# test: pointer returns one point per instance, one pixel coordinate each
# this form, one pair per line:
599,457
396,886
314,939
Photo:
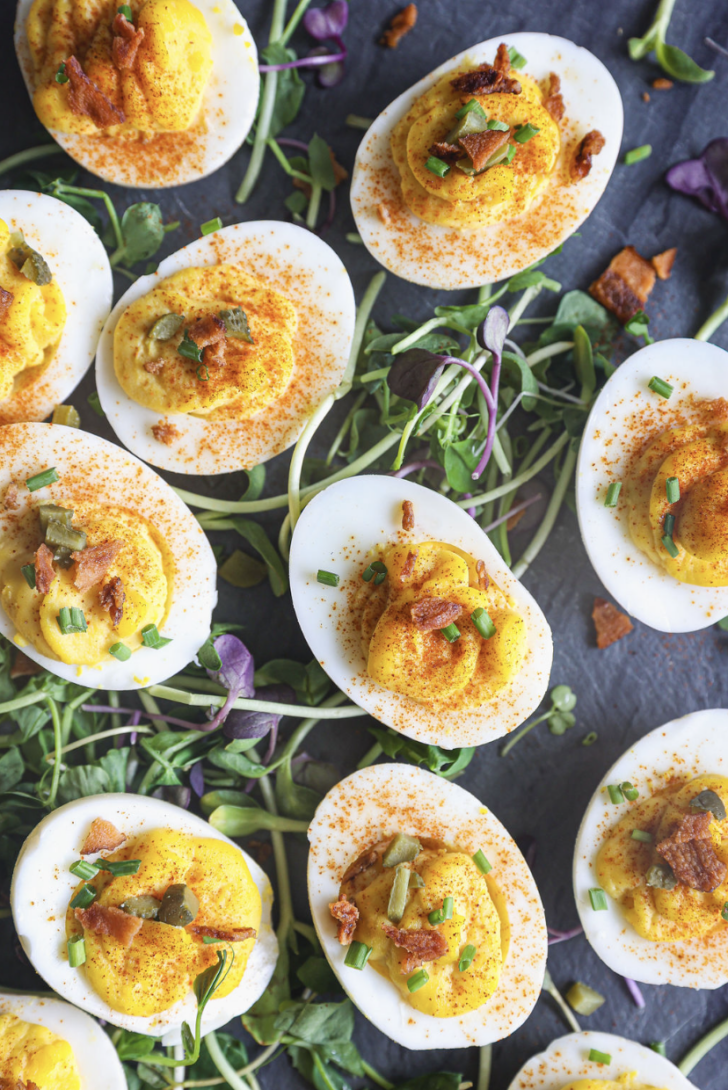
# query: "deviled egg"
151,93
489,163
411,611
651,857
425,908
55,295
598,1061
216,361
121,901
53,1045
102,567
650,485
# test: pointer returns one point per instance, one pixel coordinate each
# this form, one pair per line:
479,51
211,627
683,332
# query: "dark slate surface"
637,684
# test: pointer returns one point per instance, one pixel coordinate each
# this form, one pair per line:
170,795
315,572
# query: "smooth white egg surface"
92,1048
92,469
626,416
567,1058
166,159
443,257
42,887
678,751
295,263
377,802
80,267
338,532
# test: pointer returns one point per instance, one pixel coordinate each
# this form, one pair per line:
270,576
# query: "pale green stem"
314,203
553,991
373,1074
548,351
484,1067
58,742
285,902
22,701
557,498
522,305
307,931
703,1047
284,535
267,105
344,429
114,701
299,711
711,324
226,1069
22,157
520,479
277,151
150,705
50,758
370,756
298,13
299,453
363,314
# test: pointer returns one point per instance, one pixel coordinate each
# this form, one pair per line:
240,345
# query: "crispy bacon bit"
689,851
44,573
228,934
408,515
93,563
364,862
431,613
663,263
645,96
554,101
662,84
17,1084
6,301
86,100
383,212
209,333
591,145
112,597
421,945
625,286
483,579
165,432
107,920
611,624
480,146
399,25
126,42
347,915
153,367
409,566
489,79
102,837
23,666
11,500
449,153
340,175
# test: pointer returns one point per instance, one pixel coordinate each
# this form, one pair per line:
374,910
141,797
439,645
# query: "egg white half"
288,259
42,886
442,257
567,1058
229,105
337,532
624,418
92,1048
122,480
684,748
81,270
384,799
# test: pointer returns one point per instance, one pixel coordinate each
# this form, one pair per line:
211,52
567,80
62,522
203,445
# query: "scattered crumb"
399,25
12,496
153,367
384,213
663,263
408,515
165,432
610,623
662,84
645,96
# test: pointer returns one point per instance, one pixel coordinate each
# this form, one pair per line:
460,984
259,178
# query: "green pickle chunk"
179,906
402,849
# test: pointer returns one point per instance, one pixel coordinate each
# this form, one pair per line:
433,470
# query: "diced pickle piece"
398,894
401,849
62,557
584,999
58,533
144,907
48,511
179,906
416,881
468,125
67,416
165,327
661,876
711,803
31,264
236,324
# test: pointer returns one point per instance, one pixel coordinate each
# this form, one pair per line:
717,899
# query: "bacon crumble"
153,367
449,153
409,566
126,42
610,623
165,432
6,301
663,263
87,100
346,914
489,79
689,851
364,862
592,144
44,572
107,920
112,597
399,25
481,146
554,101
625,285
228,934
662,84
209,333
431,613
482,574
11,499
93,563
102,837
408,515
421,945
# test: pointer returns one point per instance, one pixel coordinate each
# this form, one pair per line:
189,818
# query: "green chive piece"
472,106
481,862
467,957
724,912
643,837
451,633
124,866
659,1048
398,894
71,621
61,76
630,792
357,955
613,494
85,897
498,126
590,738
597,1057
437,166
354,238
41,480
76,948
668,525
203,375
509,156
615,793
598,899
151,637
208,939
120,651
417,981
483,623
636,155
670,545
328,578
517,59
94,401
189,348
672,488
78,619
28,571
442,914
525,132
659,386
125,10
83,869
376,571
211,226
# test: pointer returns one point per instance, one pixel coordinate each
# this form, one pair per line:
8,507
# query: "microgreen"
636,155
671,59
638,326
559,716
705,178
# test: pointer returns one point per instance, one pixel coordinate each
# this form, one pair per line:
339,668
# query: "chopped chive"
125,10
472,106
597,1057
76,948
328,578
613,494
590,738
357,955
211,226
71,621
451,633
442,914
517,59
203,375
124,866
83,869
208,939
354,238
85,897
41,480
483,623
437,166
467,957
151,637
189,348
120,651
498,126
481,862
630,792
525,132
670,545
509,156
659,386
78,619
28,571
417,980
659,1048
377,571
672,488
668,525
724,912
615,793
94,401
643,837
61,76
636,155
598,899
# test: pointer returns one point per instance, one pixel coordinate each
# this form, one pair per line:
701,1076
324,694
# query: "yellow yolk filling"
31,326
144,565
160,966
622,1082
253,375
663,915
162,92
36,1054
497,194
424,665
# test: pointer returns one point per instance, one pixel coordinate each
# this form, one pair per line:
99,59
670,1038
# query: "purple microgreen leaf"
493,331
705,178
197,779
328,75
328,22
235,675
415,374
251,724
